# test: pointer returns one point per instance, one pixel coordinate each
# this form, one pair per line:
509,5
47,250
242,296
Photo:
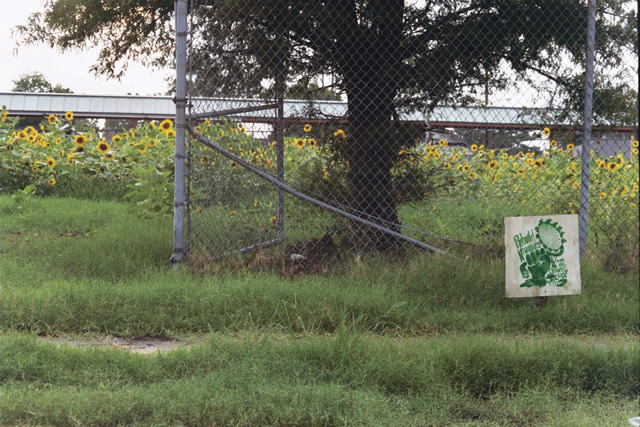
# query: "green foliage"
38,83
19,198
152,191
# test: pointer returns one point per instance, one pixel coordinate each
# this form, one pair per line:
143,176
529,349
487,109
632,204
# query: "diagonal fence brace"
284,187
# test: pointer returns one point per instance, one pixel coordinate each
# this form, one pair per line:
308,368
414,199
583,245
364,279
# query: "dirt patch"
145,345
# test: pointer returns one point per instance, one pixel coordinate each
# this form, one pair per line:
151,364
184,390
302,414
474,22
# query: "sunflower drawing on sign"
540,251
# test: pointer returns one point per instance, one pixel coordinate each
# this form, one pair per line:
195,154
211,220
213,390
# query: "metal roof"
88,106
161,107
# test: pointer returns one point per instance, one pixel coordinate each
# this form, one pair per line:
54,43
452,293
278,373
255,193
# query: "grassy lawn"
429,340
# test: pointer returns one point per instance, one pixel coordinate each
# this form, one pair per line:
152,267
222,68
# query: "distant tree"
36,82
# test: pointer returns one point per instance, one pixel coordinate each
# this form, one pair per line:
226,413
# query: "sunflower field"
457,192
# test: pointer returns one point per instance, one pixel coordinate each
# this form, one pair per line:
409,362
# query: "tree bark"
371,88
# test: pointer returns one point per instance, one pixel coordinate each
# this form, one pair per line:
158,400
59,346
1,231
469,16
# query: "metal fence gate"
324,128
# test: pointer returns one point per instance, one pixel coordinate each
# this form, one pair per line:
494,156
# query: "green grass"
430,340
93,267
323,380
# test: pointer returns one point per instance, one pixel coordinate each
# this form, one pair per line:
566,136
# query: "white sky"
69,69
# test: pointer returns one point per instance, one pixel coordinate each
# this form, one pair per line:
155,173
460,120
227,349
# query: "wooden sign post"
542,256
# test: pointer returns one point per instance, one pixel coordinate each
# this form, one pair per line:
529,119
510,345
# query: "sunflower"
204,160
307,128
474,147
68,115
102,146
51,182
339,134
233,212
603,195
221,133
312,142
255,203
553,143
115,138
78,149
58,140
634,143
166,125
22,135
443,142
613,166
242,128
80,140
273,219
447,165
602,165
51,162
152,142
466,167
52,119
521,172
142,149
492,164
109,156
4,116
546,132
299,142
635,151
473,175
570,146
234,165
495,178
171,133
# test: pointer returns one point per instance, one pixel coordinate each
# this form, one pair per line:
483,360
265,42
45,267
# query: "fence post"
279,93
181,8
586,132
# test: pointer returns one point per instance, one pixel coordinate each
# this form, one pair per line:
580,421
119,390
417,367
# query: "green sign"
541,251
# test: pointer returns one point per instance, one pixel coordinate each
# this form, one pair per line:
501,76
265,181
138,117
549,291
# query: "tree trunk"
370,161
371,88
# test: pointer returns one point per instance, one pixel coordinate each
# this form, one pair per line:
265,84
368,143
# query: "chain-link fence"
322,129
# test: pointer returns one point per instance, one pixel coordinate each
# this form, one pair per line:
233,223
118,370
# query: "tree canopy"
38,83
444,51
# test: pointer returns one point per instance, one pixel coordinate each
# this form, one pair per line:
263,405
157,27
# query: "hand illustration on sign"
540,256
535,268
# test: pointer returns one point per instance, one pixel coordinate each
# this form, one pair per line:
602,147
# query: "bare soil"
144,345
